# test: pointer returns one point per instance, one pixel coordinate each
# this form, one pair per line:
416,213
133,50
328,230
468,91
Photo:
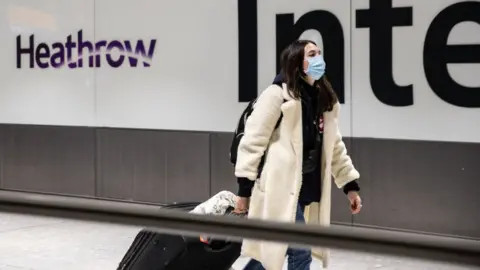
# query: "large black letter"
30,51
437,54
381,17
333,42
247,50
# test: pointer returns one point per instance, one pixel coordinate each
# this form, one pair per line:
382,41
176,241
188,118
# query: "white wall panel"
56,96
429,118
192,81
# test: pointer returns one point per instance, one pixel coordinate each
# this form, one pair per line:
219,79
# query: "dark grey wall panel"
413,185
188,166
49,159
131,165
153,166
222,172
2,151
421,186
364,164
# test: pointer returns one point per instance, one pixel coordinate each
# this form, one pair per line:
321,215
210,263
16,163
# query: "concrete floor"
37,243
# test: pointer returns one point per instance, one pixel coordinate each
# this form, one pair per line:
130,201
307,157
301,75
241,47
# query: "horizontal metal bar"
349,238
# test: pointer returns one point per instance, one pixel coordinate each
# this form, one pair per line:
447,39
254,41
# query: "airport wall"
137,100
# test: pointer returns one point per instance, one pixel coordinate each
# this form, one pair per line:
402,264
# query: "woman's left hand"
355,202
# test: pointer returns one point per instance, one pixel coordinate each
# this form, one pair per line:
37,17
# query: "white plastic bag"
216,205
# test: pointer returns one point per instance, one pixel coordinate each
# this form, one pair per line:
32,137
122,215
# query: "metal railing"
445,249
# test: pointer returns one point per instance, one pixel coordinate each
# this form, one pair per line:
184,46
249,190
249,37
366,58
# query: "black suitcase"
156,251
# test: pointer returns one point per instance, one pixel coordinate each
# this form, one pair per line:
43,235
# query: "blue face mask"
316,67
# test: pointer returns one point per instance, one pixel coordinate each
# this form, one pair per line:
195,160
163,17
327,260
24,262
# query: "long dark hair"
292,72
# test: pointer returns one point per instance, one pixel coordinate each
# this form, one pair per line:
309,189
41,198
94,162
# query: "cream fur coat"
275,194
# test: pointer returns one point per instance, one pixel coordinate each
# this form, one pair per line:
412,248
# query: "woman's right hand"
241,206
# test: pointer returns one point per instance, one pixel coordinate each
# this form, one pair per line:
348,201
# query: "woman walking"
293,184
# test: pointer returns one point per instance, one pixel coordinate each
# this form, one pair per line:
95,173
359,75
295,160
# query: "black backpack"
239,131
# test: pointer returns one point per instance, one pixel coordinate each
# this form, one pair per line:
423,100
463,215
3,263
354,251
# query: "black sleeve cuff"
351,186
245,186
